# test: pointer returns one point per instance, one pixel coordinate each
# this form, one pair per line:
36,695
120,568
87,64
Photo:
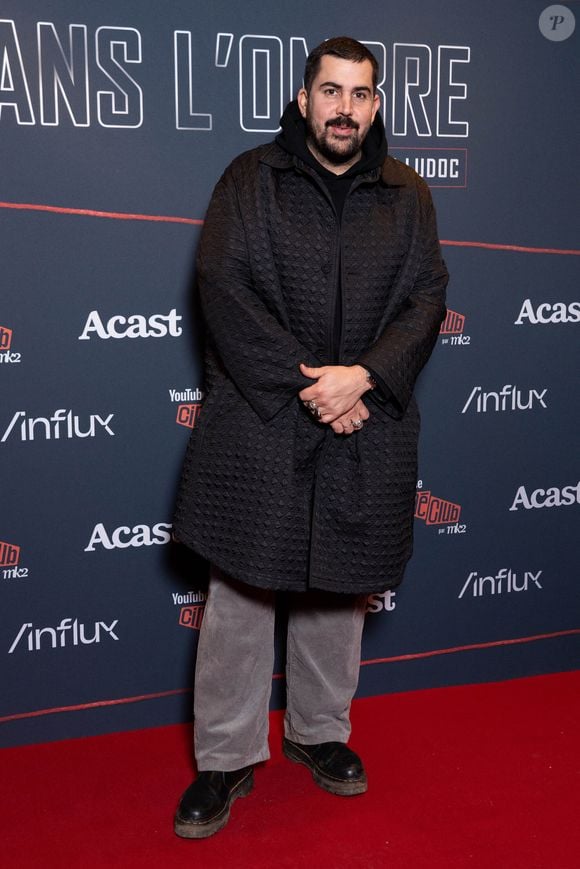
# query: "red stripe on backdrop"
513,247
409,657
88,212
196,221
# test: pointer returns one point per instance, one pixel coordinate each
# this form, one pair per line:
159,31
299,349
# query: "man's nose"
345,106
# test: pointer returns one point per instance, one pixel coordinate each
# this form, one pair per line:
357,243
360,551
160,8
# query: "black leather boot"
334,767
204,808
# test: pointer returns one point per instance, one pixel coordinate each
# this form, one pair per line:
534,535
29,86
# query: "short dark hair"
339,46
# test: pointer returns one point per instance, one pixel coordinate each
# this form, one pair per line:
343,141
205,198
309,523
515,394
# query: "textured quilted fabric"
268,494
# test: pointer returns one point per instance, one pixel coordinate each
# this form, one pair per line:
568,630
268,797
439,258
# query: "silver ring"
357,423
313,408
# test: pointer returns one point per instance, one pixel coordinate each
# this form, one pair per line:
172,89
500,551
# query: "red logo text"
5,338
187,414
453,324
191,616
9,554
435,511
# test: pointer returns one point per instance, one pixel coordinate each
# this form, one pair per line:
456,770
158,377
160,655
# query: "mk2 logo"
9,562
453,326
437,511
192,606
6,356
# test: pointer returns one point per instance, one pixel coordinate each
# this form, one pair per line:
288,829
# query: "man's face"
339,110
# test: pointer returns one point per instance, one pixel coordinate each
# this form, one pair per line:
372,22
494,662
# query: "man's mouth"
343,124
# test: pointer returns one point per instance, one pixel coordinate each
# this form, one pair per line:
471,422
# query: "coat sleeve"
260,356
403,348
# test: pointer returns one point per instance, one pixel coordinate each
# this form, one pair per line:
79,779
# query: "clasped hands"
335,398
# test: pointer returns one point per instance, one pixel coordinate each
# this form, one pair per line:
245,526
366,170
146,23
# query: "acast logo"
125,537
63,424
453,326
6,356
552,497
134,326
377,603
548,312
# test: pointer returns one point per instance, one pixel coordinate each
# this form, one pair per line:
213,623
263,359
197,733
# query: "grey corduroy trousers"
235,661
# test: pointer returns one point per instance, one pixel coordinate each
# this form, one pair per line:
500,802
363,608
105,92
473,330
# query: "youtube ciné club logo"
5,338
435,511
9,554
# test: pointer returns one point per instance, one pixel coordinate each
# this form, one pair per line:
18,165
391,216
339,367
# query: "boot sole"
201,830
334,786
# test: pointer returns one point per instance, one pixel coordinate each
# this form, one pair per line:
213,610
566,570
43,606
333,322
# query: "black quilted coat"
268,494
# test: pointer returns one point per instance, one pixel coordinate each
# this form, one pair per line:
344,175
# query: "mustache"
342,122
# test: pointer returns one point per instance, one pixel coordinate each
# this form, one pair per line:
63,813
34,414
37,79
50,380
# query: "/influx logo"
62,424
505,581
68,633
507,399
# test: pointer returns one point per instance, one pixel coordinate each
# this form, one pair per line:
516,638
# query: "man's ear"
302,99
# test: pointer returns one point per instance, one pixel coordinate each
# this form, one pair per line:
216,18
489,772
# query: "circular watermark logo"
557,23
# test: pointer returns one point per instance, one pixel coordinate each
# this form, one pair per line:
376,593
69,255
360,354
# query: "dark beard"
328,149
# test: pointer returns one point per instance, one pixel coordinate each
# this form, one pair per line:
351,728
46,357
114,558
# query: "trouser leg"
322,665
233,677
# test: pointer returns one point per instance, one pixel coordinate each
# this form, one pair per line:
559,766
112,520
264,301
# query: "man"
322,287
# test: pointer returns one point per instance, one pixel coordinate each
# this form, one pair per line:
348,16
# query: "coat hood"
293,140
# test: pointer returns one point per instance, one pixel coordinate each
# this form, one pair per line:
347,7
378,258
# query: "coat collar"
392,173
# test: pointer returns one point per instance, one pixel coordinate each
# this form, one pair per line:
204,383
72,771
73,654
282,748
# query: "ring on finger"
356,423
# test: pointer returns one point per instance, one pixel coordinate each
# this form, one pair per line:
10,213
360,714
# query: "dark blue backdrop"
116,120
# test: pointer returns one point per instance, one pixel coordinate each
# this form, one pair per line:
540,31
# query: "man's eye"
360,95
330,92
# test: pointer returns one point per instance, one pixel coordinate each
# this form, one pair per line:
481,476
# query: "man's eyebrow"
362,87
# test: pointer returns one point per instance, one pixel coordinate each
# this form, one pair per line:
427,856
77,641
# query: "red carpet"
484,776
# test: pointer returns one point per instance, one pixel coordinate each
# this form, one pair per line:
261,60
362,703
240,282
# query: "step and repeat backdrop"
116,120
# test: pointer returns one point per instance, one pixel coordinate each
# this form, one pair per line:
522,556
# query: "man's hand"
344,424
337,389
